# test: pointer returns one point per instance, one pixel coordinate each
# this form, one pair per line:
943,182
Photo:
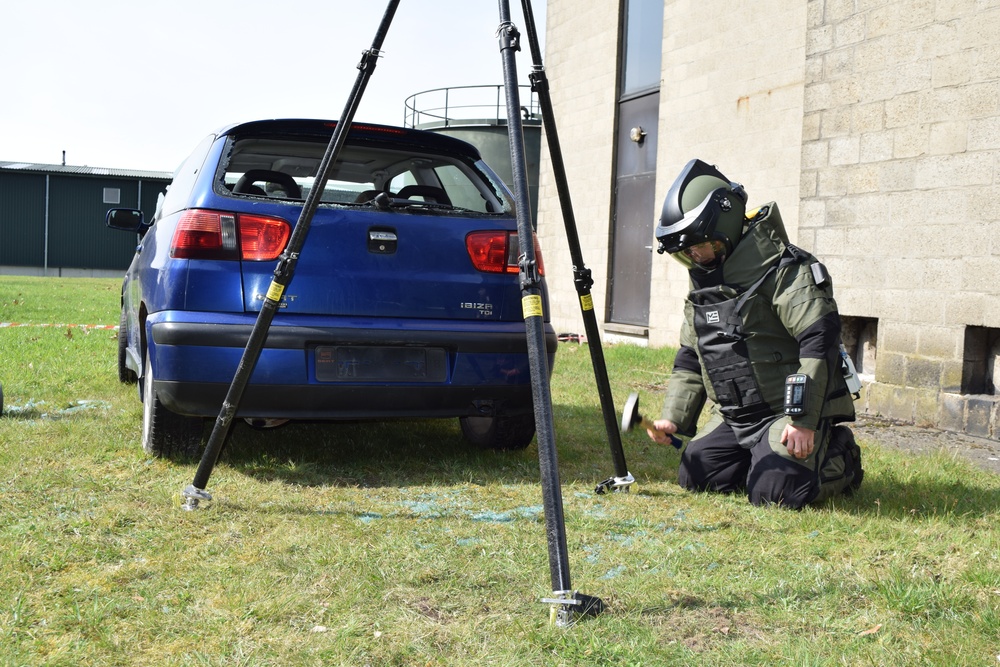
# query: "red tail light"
262,238
204,234
497,251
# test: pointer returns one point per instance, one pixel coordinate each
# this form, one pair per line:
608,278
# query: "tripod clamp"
583,279
369,58
530,277
539,82
509,37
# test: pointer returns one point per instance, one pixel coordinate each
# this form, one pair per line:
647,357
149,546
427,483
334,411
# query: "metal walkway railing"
443,107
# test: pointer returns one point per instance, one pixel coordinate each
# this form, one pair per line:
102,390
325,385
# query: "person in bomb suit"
761,341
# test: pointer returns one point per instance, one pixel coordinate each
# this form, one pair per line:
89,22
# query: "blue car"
405,300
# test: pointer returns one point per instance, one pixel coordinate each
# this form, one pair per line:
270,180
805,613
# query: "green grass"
395,544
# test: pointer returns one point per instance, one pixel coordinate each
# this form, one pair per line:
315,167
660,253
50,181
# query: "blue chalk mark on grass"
614,572
39,410
531,512
493,517
426,509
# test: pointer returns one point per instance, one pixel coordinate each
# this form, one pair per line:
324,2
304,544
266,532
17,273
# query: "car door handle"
382,241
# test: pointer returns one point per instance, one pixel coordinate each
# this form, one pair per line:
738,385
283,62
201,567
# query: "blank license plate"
354,363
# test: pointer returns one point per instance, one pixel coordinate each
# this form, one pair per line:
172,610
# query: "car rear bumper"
485,370
345,403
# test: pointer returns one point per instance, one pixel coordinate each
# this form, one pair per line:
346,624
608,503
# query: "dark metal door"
635,211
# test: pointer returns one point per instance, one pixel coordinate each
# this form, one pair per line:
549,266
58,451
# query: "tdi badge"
796,386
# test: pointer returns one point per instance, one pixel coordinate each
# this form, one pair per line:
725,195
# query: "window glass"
400,181
460,190
643,45
359,173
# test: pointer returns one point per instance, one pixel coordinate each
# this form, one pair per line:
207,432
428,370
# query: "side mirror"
126,219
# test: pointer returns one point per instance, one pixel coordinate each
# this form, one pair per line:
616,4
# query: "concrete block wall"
900,152
717,103
581,59
731,95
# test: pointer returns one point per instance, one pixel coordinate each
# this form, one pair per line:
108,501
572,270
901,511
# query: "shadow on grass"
428,452
373,453
887,494
401,453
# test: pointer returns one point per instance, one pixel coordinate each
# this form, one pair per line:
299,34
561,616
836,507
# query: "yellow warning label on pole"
531,305
587,302
275,291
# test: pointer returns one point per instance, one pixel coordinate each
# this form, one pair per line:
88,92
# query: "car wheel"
125,374
500,432
166,434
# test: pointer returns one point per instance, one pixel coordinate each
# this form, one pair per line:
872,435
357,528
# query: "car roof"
371,131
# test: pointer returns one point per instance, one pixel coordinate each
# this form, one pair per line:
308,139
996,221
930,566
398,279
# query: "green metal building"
52,217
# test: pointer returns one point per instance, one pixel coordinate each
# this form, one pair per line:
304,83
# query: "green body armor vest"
744,331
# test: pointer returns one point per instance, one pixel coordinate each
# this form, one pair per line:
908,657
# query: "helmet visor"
705,255
697,226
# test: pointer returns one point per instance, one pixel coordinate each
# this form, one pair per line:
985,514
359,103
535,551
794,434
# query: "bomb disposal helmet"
705,209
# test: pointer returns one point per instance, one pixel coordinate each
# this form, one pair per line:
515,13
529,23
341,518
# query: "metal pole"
564,600
582,279
283,273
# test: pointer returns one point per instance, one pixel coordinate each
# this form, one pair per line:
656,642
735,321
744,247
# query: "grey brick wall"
875,125
899,154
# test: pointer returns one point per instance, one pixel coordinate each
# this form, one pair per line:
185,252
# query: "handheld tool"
631,418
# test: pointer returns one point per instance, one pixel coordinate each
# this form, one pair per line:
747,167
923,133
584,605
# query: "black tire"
166,434
500,433
125,374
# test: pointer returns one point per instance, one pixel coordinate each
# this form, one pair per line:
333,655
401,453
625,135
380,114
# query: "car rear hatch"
361,263
411,225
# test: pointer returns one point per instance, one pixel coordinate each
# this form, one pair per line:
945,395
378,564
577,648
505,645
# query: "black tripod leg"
283,273
564,601
581,274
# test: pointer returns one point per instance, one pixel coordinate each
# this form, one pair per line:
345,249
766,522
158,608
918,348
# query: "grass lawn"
395,543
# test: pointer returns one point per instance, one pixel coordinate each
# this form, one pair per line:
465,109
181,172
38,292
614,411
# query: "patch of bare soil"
982,452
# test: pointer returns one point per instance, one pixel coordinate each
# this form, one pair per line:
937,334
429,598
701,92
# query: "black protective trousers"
716,461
